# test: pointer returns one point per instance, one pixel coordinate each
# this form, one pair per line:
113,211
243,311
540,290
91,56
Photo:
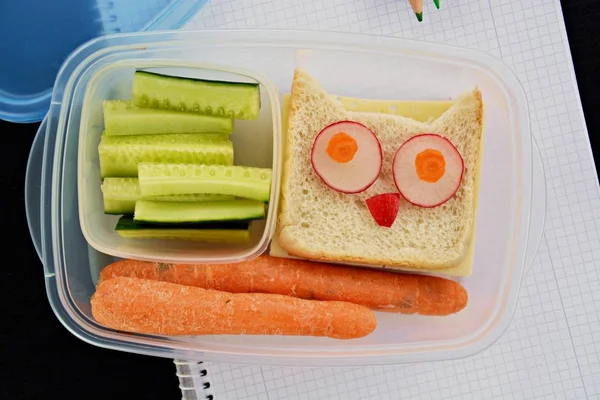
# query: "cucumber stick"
167,179
225,99
120,195
118,207
222,232
120,155
122,117
160,212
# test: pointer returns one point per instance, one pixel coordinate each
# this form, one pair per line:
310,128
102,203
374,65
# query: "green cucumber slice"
222,232
161,212
165,179
118,207
120,155
122,117
120,195
226,99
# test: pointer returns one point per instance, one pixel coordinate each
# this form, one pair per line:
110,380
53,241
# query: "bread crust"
286,159
294,249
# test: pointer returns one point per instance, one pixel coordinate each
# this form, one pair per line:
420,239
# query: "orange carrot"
163,308
378,290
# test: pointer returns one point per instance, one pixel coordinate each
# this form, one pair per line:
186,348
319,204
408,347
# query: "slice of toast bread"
319,223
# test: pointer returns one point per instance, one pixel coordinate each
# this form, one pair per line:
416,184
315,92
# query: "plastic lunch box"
508,228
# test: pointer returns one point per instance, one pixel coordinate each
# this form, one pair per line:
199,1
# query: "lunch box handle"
539,203
33,189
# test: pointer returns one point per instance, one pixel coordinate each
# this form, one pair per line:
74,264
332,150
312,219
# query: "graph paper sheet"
552,347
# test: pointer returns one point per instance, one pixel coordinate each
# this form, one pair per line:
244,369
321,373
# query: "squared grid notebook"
552,347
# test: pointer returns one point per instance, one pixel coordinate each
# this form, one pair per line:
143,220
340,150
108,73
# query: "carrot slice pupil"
430,165
342,147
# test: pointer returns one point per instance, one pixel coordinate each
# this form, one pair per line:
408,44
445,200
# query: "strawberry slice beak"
384,208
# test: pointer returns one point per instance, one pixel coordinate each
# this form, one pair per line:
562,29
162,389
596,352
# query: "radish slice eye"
428,170
347,157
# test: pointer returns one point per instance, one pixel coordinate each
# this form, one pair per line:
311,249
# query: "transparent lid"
37,36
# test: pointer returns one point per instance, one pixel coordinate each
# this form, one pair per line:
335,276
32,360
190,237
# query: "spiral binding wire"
188,372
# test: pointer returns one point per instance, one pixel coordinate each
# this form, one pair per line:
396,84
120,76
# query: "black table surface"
40,358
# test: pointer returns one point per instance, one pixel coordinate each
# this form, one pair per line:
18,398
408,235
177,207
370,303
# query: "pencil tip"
419,16
437,4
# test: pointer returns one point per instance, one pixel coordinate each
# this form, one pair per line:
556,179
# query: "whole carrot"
377,290
163,308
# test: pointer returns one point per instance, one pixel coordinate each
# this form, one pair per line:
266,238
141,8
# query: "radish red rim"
347,156
441,173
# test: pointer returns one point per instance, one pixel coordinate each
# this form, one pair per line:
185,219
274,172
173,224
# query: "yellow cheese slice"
421,111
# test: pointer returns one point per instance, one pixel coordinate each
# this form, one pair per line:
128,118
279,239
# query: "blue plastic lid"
37,36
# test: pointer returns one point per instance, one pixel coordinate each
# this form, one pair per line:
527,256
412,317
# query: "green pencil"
417,6
437,4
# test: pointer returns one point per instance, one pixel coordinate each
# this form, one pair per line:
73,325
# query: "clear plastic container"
351,65
256,143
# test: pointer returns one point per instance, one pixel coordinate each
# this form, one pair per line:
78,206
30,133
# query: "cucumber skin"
165,213
122,117
151,90
245,182
211,233
119,155
128,223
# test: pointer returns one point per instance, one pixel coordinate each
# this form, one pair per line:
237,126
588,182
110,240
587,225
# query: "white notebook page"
552,347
